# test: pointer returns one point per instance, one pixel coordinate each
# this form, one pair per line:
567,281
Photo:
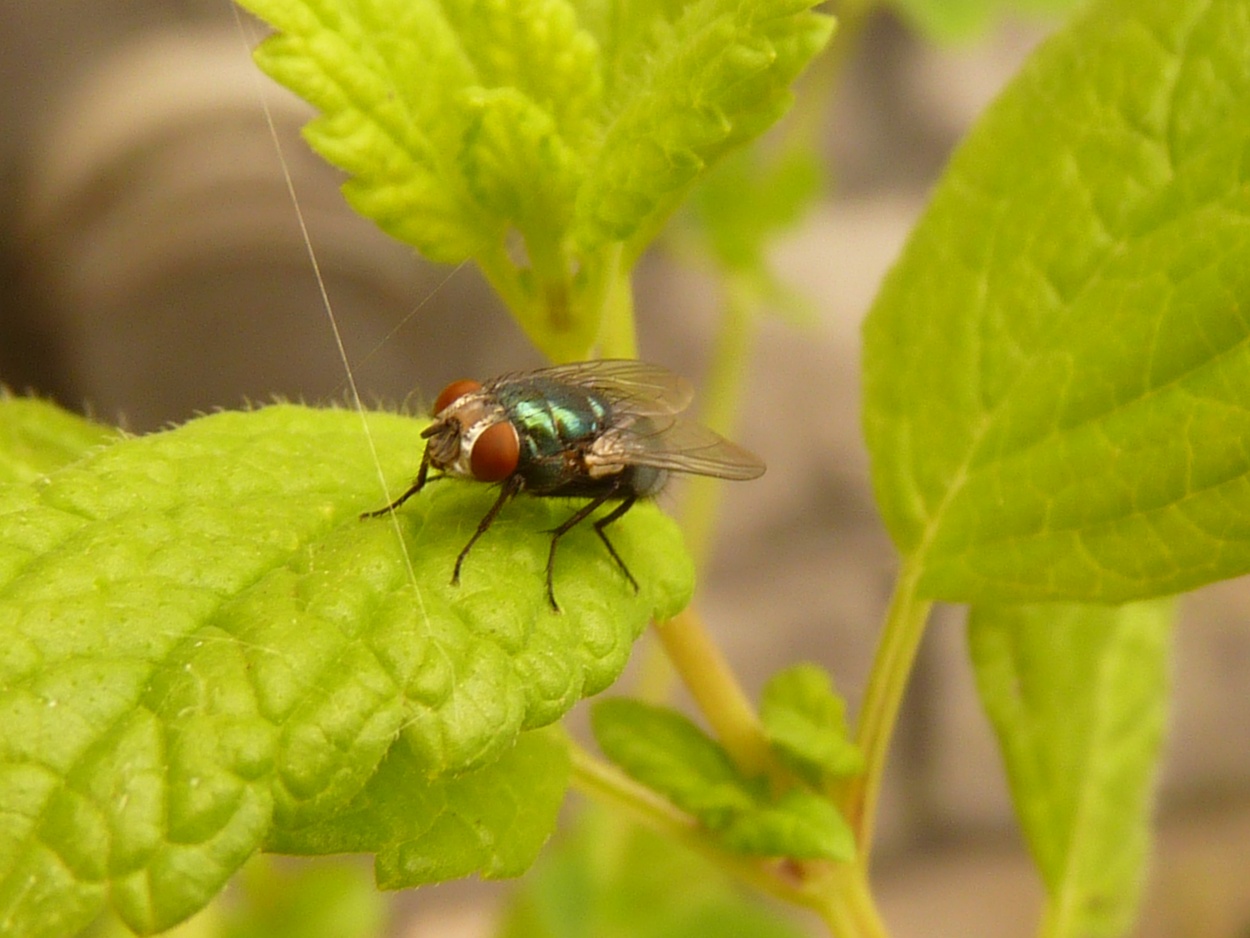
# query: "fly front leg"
510,487
417,485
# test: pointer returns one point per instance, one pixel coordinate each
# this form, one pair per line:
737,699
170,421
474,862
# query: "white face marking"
472,415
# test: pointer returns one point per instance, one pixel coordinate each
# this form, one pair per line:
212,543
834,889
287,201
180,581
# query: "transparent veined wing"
678,446
633,387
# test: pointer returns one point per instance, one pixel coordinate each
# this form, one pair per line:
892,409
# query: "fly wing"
632,386
678,446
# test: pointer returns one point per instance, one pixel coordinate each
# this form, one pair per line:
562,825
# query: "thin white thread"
249,41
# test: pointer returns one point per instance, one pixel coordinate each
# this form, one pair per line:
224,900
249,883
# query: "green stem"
617,337
716,691
891,670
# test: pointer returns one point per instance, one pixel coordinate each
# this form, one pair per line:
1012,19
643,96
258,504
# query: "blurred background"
154,267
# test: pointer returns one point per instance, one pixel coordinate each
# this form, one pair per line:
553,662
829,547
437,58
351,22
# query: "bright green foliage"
492,820
806,721
37,437
1057,371
664,750
1078,696
467,123
960,19
203,648
610,879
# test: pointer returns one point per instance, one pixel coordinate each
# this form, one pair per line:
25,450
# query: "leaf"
805,720
386,76
535,135
494,819
325,899
201,642
1078,697
606,879
37,437
665,751
717,76
1057,369
961,19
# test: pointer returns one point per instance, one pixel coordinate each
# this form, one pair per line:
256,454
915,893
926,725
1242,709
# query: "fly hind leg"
577,518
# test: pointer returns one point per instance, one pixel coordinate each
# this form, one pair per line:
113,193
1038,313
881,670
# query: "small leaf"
37,437
492,820
806,721
1057,371
664,750
201,641
798,824
1078,697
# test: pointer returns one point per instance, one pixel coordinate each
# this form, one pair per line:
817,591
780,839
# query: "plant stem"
617,336
891,670
715,688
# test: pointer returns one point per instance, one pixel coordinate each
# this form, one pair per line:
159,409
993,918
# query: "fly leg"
417,485
607,519
577,518
510,487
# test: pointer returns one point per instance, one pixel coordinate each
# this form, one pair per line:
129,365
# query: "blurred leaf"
1057,371
806,722
37,437
201,642
665,751
947,20
289,899
1078,697
607,880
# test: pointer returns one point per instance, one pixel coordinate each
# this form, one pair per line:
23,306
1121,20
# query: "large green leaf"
1078,697
201,643
37,437
1057,370
535,135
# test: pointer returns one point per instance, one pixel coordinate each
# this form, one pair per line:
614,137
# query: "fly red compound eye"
453,392
496,452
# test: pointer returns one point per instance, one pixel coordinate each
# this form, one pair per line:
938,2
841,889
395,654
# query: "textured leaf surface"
1057,370
806,721
37,437
201,642
492,820
1077,695
664,750
534,135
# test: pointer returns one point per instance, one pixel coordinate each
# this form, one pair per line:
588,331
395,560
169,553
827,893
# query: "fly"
605,431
